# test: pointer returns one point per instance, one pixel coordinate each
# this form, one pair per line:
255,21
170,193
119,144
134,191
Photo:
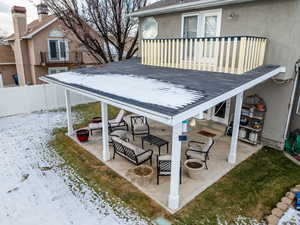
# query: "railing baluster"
221,68
242,54
233,59
228,48
169,53
173,54
185,52
194,54
165,53
181,41
216,54
177,54
248,54
200,53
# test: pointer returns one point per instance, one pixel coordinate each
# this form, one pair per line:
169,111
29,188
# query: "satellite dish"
149,28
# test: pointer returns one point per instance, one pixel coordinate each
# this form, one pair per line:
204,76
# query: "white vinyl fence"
27,99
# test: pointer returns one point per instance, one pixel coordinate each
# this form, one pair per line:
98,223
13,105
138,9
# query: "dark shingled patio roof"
211,84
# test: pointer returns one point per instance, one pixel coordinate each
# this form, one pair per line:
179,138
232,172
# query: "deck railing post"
235,130
175,167
105,141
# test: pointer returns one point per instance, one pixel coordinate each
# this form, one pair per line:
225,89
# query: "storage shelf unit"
252,120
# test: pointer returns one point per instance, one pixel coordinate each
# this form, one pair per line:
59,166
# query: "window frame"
57,68
200,20
59,50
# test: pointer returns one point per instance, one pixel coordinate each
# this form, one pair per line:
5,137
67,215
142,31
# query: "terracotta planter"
194,168
142,175
83,135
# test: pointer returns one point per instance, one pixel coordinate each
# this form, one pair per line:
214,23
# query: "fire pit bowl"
83,135
142,175
194,168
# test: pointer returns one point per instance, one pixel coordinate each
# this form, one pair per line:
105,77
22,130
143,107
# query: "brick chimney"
42,10
20,45
19,20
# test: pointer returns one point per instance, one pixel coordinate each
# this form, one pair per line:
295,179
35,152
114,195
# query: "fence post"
242,55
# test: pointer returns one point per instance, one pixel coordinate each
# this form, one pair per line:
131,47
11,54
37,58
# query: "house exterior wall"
7,72
274,19
7,65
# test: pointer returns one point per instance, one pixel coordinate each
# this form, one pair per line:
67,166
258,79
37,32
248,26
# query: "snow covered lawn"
37,188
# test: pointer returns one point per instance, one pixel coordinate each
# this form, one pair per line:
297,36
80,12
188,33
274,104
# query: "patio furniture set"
197,153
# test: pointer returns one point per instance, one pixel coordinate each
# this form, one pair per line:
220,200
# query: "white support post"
106,153
69,113
235,129
175,167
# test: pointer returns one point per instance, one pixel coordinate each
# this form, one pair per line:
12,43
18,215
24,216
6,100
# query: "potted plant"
83,135
194,167
142,174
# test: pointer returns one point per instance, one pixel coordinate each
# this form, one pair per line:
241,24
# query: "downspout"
297,65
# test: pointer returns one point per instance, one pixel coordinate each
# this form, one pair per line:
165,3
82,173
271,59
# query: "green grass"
251,189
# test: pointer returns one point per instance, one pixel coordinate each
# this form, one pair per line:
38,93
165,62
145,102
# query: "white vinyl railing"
218,54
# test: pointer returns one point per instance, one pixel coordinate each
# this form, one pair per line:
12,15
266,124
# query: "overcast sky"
6,25
5,13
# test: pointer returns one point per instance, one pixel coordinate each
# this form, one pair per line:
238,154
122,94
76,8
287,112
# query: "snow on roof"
133,87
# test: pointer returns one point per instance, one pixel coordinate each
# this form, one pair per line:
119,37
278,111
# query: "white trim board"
186,6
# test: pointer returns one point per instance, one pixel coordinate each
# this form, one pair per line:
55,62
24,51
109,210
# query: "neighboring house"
276,20
42,47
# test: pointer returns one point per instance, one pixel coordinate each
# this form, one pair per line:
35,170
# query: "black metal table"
153,140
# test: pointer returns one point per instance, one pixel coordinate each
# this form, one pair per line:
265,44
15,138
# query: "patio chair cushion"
195,155
202,147
122,134
119,117
164,157
95,125
140,128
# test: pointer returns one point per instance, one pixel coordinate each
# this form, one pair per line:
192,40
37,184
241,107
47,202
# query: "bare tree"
114,32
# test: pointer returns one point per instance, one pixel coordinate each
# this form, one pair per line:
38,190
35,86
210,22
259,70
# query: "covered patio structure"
165,95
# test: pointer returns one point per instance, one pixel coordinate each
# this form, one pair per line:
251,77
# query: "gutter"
186,6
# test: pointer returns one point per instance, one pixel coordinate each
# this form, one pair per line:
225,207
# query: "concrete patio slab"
189,189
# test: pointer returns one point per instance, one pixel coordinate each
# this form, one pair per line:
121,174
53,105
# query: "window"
58,50
56,33
210,26
52,70
190,24
149,28
201,24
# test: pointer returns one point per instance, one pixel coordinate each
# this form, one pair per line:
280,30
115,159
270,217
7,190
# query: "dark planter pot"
83,135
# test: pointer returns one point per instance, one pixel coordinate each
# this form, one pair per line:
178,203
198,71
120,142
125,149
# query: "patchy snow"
134,87
290,217
37,188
